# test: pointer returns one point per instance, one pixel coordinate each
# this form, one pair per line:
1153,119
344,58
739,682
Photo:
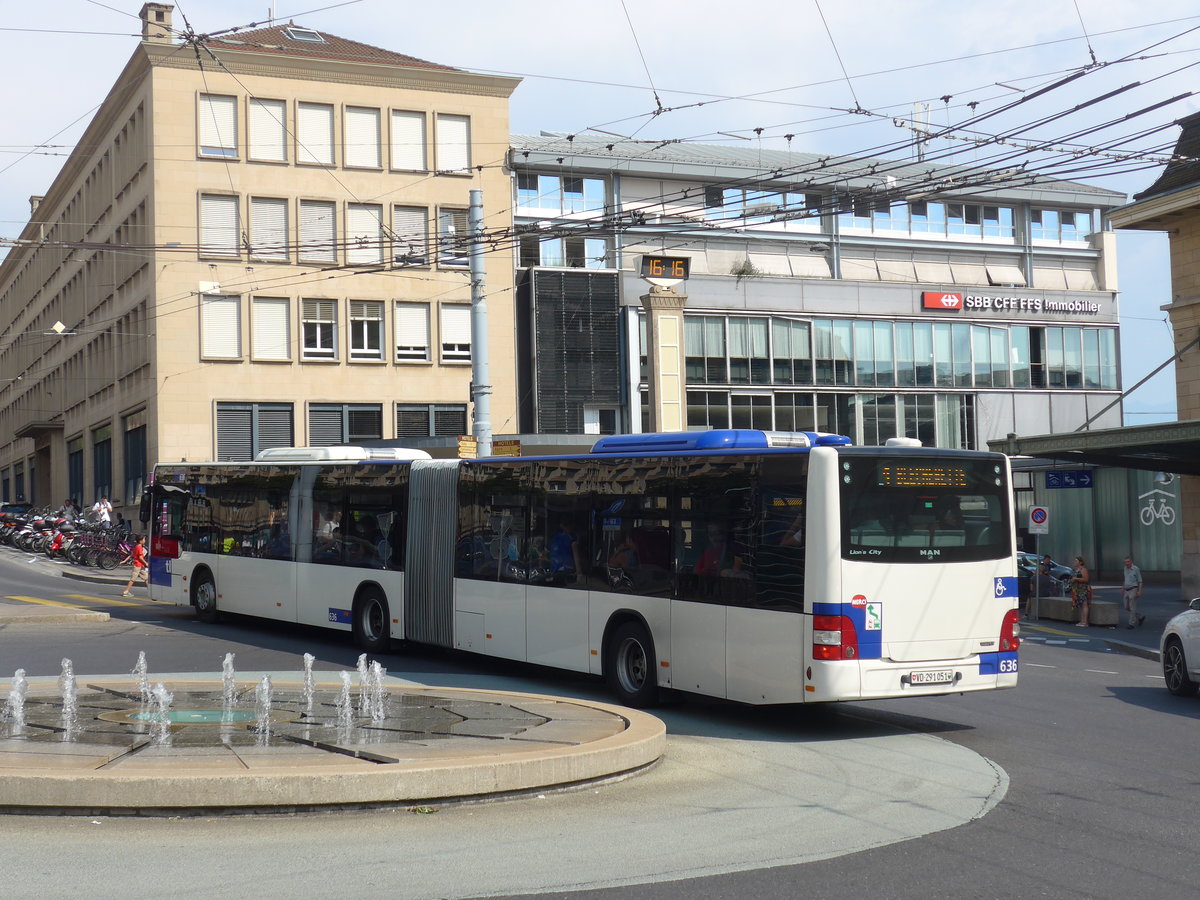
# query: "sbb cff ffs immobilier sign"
941,300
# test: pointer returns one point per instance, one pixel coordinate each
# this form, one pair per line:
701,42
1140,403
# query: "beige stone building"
258,241
1172,204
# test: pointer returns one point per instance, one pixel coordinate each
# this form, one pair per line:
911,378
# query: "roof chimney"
156,23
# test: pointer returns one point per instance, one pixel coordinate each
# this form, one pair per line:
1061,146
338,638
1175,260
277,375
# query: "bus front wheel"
631,667
204,598
372,622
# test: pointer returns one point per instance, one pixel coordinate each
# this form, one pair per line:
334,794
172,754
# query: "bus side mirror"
144,508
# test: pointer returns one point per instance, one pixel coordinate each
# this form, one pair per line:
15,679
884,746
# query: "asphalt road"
1094,796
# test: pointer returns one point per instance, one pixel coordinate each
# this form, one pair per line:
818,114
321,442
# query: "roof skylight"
304,34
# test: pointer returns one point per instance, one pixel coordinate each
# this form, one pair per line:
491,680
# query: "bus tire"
204,598
630,666
372,621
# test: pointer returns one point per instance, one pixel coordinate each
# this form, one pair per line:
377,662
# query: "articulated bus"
762,567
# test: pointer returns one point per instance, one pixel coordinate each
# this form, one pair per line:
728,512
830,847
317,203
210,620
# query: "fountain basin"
433,745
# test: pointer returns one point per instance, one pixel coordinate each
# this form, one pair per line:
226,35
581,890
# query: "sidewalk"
1159,603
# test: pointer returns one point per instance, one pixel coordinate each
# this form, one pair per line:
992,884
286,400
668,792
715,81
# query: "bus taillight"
834,637
1010,631
164,547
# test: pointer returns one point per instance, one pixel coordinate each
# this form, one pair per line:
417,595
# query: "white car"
1180,652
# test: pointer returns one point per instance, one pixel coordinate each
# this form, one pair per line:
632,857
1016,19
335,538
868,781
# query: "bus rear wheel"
630,666
204,598
372,622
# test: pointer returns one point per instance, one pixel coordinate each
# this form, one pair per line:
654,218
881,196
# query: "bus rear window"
923,508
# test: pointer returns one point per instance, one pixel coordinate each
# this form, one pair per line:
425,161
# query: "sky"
834,74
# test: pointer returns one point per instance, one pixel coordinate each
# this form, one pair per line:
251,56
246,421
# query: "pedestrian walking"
138,555
1081,592
1131,591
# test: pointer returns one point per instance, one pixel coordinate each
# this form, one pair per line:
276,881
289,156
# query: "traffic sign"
1059,479
1039,520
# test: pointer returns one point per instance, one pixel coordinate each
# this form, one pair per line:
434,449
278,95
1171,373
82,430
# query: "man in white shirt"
102,511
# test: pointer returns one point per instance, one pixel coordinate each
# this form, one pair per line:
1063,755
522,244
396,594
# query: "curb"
94,579
40,616
1134,650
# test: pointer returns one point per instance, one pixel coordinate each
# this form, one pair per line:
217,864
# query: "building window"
304,35
217,126
570,252
430,420
318,326
782,209
360,131
318,231
268,129
453,135
366,329
412,332
344,423
101,463
74,470
410,235
220,326
560,194
314,134
927,218
456,333
270,328
1059,225
408,140
220,226
246,429
269,229
135,456
454,238
364,234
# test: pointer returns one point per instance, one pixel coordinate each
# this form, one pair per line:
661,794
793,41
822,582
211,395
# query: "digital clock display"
666,267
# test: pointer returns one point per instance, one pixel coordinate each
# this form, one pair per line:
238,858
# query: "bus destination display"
922,475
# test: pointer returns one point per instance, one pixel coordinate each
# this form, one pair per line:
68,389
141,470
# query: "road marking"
1101,672
42,602
102,600
1037,666
1156,677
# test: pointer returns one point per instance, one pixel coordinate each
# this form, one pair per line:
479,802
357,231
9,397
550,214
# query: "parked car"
1027,564
1180,652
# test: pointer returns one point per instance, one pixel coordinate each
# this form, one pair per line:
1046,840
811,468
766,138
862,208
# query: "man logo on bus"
939,300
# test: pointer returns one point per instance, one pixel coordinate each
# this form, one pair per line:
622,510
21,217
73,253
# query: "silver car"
1180,652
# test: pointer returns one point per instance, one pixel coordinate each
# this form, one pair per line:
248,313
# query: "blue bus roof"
716,439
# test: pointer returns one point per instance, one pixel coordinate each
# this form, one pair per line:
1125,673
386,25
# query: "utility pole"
481,387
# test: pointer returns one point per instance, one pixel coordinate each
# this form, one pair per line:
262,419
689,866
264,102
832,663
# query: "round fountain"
230,742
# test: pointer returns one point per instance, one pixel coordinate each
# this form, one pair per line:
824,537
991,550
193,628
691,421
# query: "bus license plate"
936,676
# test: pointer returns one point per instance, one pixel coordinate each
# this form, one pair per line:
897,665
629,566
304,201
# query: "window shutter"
412,421
410,233
219,227
364,234
270,331
235,432
364,423
220,327
269,229
453,143
412,331
318,231
320,311
408,140
268,129
325,425
218,126
274,426
314,133
449,420
456,332
361,134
